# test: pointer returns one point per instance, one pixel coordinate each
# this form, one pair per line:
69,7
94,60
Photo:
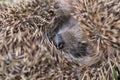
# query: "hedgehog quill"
60,39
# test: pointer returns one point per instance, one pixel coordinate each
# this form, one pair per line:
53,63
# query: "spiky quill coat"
26,52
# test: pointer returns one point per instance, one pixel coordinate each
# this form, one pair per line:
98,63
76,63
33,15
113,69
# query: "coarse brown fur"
27,53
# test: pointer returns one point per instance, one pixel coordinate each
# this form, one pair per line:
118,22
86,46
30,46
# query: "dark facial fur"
67,36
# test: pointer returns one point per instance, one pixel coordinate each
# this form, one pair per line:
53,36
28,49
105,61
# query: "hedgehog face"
68,37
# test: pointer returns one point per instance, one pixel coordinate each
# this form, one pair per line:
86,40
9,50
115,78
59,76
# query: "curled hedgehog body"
30,32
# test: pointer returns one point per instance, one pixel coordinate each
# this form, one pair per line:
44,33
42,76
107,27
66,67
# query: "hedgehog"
60,40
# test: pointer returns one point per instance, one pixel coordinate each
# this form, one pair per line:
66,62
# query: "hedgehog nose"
58,41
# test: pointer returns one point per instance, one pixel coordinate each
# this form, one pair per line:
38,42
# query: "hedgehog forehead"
67,26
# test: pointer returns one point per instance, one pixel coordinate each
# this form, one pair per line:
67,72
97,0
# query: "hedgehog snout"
58,41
